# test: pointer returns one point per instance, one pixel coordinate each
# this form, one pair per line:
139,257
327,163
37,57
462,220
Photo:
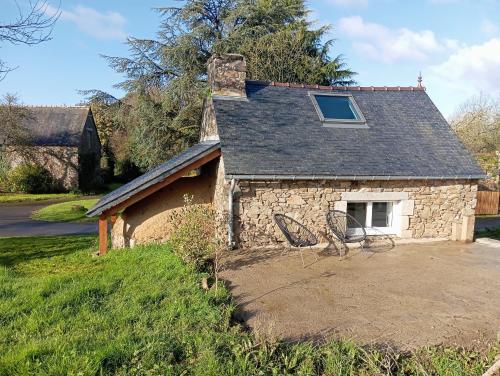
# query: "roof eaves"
353,177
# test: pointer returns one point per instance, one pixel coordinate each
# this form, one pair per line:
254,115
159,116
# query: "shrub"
126,171
193,239
30,178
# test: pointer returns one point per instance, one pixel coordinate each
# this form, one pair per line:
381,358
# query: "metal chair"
297,235
340,222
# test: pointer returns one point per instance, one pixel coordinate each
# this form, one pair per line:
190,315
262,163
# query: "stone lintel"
374,196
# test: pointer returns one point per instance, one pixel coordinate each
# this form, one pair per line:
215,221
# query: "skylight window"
338,110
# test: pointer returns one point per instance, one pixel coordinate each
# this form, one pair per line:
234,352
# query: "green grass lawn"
65,211
143,312
25,197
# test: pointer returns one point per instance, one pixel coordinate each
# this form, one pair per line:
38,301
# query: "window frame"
394,229
339,123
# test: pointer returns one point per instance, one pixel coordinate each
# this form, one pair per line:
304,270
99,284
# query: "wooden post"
103,235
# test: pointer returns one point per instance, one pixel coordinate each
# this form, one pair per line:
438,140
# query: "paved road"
484,223
15,221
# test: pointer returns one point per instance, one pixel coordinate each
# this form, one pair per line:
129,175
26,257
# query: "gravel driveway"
408,296
15,221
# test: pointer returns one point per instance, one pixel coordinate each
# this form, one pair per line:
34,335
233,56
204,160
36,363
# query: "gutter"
230,222
353,177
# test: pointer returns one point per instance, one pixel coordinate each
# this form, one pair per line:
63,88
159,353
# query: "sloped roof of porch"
157,178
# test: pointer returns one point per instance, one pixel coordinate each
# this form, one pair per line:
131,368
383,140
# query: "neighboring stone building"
384,154
64,140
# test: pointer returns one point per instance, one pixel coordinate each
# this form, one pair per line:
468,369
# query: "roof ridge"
332,88
49,106
53,106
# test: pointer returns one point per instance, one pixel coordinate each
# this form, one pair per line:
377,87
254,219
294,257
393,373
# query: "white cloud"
106,25
350,3
475,67
364,3
488,27
381,43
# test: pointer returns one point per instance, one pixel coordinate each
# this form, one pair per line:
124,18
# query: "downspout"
230,222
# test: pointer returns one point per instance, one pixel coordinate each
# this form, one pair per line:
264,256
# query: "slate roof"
277,133
56,126
154,176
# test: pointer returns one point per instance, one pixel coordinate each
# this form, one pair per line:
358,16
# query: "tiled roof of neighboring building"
337,88
154,176
277,133
56,125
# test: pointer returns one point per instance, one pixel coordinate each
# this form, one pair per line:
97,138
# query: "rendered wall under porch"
153,219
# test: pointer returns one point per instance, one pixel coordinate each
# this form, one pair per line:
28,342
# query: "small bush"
193,239
30,178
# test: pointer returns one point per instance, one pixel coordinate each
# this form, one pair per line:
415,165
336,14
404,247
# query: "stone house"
384,154
62,139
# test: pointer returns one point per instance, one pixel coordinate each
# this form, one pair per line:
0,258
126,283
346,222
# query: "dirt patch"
407,297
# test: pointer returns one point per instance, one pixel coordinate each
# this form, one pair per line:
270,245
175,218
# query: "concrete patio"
408,296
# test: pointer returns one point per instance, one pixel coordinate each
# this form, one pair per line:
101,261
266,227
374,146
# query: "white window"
377,217
338,110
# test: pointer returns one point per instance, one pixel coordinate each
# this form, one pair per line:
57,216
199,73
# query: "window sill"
332,124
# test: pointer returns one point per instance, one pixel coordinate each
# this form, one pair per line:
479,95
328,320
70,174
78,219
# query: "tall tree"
477,123
33,25
168,74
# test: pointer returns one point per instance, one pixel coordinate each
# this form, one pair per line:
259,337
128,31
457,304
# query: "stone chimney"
227,74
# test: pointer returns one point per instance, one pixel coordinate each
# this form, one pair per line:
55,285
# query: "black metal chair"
297,235
340,222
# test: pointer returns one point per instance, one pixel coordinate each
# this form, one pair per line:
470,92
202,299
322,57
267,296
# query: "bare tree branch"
31,27
477,123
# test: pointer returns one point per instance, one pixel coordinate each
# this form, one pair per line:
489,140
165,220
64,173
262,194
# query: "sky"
454,43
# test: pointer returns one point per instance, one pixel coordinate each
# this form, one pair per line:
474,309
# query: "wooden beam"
103,235
156,187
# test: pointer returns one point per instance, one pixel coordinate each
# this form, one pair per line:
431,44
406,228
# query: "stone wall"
208,129
60,161
429,209
221,204
227,74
